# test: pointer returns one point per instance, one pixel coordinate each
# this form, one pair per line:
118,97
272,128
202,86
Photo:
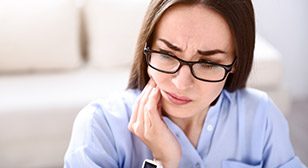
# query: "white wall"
285,24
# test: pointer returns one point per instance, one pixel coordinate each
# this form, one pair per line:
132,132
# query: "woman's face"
184,31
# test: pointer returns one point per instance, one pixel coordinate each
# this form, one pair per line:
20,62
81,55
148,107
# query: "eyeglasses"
201,70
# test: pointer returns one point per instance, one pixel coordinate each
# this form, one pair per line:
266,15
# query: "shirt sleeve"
92,143
278,150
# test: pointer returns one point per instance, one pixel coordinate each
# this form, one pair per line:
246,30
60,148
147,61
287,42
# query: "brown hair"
238,14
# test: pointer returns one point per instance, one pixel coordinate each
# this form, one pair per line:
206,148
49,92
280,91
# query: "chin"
175,111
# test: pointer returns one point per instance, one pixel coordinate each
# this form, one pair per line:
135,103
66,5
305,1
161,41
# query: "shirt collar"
226,94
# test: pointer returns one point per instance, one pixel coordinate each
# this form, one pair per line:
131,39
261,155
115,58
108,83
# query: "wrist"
168,162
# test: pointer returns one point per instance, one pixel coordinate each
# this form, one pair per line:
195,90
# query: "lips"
178,100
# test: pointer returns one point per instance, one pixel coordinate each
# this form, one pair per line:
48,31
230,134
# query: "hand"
147,124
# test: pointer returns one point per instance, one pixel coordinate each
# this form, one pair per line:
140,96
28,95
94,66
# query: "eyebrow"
203,53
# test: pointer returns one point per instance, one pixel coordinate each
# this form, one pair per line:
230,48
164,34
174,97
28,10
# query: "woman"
186,103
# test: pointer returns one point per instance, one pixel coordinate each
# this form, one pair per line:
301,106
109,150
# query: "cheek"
210,91
158,77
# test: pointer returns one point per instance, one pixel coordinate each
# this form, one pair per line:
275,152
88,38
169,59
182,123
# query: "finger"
147,124
152,106
159,107
139,123
136,107
148,109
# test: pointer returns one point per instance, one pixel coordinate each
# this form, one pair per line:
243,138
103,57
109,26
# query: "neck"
191,126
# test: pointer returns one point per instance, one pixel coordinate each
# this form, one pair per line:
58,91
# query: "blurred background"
284,24
58,55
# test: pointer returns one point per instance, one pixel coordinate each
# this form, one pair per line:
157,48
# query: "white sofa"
58,55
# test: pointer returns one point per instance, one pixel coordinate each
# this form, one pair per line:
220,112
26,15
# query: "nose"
183,79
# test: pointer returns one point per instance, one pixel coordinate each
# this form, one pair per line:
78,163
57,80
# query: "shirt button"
197,165
210,128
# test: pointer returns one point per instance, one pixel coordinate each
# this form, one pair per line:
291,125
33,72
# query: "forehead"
194,25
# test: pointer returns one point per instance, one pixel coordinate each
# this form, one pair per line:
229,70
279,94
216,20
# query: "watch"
151,164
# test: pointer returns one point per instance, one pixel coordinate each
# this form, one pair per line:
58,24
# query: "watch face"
149,165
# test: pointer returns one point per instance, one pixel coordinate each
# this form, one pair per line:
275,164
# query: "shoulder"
256,106
259,127
103,119
247,95
249,99
258,100
107,115
117,106
99,130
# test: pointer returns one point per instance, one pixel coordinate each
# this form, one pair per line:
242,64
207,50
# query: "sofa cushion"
267,70
38,35
112,30
37,112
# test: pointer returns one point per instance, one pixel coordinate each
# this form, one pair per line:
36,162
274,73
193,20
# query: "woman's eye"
165,56
210,61
208,66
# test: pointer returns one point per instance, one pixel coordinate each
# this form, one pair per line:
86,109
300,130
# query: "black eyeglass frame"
227,68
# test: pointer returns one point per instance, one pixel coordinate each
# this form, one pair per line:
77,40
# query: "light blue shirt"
244,129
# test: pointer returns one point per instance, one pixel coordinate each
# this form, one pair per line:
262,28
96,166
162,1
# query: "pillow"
38,35
112,30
